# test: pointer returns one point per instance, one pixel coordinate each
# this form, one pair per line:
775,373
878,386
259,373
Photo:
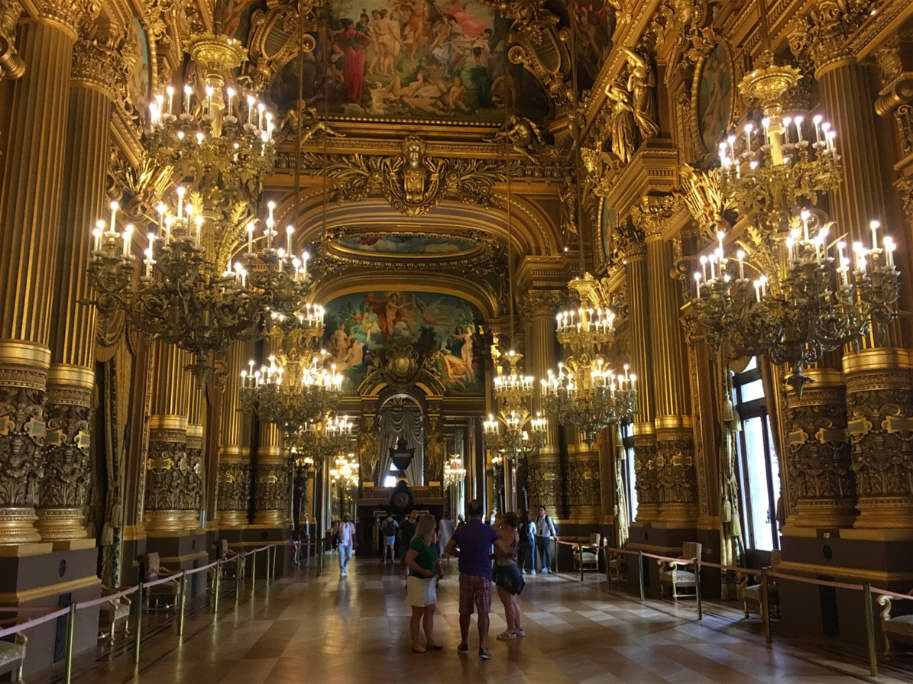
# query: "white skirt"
421,592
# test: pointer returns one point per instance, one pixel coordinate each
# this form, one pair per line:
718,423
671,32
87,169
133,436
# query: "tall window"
627,441
758,469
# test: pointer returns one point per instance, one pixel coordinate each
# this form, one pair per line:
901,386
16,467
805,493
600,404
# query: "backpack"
389,527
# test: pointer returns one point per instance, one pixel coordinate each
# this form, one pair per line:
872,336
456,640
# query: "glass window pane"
632,485
756,474
390,481
752,364
774,466
752,390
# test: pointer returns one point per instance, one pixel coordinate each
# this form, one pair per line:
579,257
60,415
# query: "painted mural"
405,244
595,22
140,81
715,96
409,58
441,328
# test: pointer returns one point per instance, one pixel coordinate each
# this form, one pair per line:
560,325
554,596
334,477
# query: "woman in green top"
421,587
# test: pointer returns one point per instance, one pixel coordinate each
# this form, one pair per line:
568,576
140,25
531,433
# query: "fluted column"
234,456
271,479
168,501
64,489
636,285
30,192
194,476
544,468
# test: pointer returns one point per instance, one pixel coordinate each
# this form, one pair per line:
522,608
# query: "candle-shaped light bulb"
703,261
817,119
230,94
289,231
181,191
169,91
188,94
697,281
889,247
874,226
798,122
200,136
127,239
719,236
114,207
250,237
96,234
740,255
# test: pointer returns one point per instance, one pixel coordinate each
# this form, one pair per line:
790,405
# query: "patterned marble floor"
327,629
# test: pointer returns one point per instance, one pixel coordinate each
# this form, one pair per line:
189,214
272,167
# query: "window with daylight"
758,470
627,441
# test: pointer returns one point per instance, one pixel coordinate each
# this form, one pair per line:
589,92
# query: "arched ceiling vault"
533,231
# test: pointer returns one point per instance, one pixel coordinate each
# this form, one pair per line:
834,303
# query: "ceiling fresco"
406,245
402,332
410,59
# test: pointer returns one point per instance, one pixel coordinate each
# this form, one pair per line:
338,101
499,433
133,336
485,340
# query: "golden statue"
622,123
522,135
310,124
641,84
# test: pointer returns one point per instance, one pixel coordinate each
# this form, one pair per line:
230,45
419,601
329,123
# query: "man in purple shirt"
471,543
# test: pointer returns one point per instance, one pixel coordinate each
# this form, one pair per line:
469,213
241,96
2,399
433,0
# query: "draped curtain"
622,524
402,418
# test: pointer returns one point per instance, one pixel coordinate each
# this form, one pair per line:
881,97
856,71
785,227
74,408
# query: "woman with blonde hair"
424,565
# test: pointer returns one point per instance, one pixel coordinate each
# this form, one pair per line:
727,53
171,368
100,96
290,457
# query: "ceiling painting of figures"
406,244
410,59
363,330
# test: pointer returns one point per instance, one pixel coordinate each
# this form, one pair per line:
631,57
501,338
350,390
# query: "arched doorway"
401,417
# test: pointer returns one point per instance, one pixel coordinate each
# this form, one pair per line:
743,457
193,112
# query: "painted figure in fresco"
479,78
352,43
459,369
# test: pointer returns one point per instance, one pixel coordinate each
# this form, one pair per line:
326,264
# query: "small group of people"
537,536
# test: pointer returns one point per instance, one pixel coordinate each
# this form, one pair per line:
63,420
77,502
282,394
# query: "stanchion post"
218,589
640,573
182,605
239,569
253,572
139,623
269,577
765,605
71,640
697,588
580,556
870,629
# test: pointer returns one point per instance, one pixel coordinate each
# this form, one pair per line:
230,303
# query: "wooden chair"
12,653
680,577
897,627
751,593
162,596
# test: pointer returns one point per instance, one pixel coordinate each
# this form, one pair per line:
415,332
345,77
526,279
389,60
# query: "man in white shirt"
346,542
545,533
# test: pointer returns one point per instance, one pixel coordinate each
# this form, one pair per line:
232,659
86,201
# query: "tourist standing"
527,531
545,533
507,575
345,543
424,565
444,532
472,543
388,530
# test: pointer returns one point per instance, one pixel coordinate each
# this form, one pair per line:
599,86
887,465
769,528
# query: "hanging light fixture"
516,431
794,288
585,392
454,472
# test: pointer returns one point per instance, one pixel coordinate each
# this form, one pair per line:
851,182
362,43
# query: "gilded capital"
825,32
540,303
100,59
653,213
70,15
904,187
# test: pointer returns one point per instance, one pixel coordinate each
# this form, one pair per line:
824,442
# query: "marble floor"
311,628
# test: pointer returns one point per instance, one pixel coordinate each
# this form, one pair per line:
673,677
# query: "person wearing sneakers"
507,575
471,544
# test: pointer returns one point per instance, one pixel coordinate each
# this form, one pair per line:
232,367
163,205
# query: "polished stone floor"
311,628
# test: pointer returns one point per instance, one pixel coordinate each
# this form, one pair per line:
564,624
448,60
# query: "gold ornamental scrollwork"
11,64
101,58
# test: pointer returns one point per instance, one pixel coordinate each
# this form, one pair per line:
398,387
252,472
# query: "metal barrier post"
580,555
182,605
320,556
239,568
765,605
640,573
218,589
268,566
697,588
870,629
253,572
71,640
139,622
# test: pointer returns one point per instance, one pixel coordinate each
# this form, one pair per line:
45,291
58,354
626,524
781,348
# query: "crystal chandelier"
344,471
292,390
454,472
794,289
516,432
313,442
585,392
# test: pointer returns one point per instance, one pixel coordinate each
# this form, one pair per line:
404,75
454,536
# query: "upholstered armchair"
12,653
897,627
161,596
751,593
112,614
586,556
682,579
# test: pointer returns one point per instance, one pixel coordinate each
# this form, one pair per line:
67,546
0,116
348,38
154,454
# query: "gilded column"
582,486
677,479
234,456
30,191
544,468
167,504
271,479
636,281
64,490
193,476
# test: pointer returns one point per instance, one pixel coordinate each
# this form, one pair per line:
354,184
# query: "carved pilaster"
646,476
271,490
234,488
818,455
675,477
167,504
582,485
544,482
879,392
